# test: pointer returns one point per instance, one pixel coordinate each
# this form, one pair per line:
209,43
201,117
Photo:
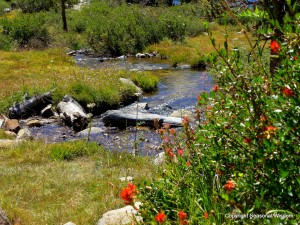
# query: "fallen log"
124,118
30,106
72,113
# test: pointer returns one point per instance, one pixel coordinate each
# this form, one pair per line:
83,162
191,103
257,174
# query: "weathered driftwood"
30,106
124,118
72,113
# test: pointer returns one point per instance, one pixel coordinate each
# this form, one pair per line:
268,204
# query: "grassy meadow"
39,187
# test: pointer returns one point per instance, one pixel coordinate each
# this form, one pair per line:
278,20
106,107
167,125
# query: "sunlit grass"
35,189
194,48
40,71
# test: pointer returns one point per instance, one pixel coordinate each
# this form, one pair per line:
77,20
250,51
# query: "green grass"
40,71
37,189
193,49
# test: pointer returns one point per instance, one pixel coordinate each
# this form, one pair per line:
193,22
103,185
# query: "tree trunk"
63,15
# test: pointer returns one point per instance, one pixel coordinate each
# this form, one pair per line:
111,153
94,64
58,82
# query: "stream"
177,89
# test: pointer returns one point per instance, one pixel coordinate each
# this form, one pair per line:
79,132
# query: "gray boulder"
125,118
125,215
129,82
72,113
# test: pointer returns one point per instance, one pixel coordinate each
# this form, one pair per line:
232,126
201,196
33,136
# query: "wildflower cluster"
243,156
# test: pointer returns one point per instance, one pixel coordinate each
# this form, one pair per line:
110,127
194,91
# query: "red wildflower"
198,97
263,118
206,215
229,185
275,47
270,128
168,151
160,217
216,88
171,154
182,218
172,131
166,139
208,107
166,126
247,140
295,57
180,152
287,92
182,215
128,193
161,131
219,172
186,119
188,163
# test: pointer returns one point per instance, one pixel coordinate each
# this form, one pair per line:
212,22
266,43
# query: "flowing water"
177,89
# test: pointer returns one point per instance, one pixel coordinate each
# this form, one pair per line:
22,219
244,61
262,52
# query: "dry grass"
38,190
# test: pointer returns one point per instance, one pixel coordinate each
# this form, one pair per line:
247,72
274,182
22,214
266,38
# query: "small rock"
11,134
24,134
93,131
34,123
47,112
3,119
122,57
182,113
125,215
12,125
69,223
159,159
140,55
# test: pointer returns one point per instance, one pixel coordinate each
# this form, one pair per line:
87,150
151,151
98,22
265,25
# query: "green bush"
6,43
27,29
130,28
3,6
31,6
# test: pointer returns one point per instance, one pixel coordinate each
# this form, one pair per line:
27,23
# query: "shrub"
6,43
3,7
108,32
243,157
27,28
